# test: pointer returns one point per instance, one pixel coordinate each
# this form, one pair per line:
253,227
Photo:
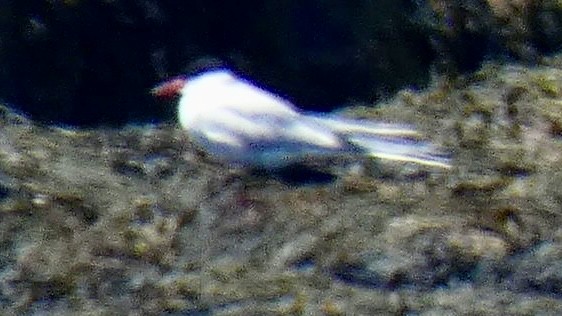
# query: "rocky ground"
135,221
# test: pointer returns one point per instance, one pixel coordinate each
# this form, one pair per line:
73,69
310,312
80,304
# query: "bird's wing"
268,130
353,126
401,149
265,140
397,142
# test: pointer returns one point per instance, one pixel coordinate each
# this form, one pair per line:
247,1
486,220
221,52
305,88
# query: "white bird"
240,124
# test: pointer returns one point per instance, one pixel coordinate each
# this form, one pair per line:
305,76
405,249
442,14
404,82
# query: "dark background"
91,63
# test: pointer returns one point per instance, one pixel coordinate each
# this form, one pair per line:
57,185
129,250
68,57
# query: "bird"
238,123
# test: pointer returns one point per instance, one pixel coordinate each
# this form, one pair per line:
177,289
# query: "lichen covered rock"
135,219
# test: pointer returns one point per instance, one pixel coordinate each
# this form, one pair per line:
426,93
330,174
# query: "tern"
238,123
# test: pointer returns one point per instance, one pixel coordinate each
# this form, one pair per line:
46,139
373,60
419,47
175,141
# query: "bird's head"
169,88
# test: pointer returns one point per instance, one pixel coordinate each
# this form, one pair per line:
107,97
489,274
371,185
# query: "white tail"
387,141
